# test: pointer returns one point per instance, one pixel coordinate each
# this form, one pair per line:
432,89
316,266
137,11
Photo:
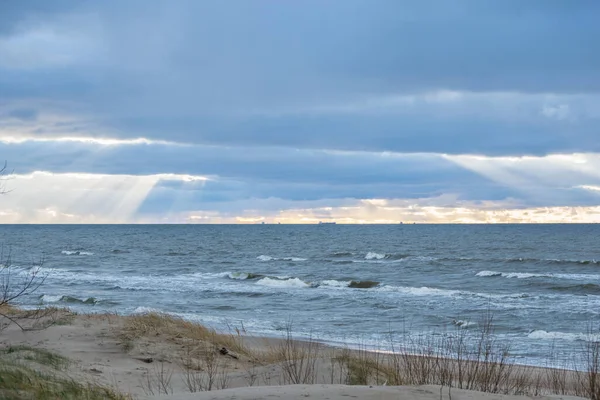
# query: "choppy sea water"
342,284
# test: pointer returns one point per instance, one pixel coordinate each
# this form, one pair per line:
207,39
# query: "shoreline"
383,347
133,354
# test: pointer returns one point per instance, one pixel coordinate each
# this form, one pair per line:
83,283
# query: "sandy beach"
155,356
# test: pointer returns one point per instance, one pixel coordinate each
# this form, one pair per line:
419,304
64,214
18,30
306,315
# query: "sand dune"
137,356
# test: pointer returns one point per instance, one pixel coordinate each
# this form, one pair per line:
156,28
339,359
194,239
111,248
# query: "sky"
370,111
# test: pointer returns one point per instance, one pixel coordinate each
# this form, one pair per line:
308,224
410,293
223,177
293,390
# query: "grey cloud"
221,73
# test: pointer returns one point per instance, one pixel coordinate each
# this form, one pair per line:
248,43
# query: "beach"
158,356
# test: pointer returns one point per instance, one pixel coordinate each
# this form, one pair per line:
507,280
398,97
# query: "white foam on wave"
237,275
528,275
463,323
335,284
425,258
374,256
419,291
76,253
283,283
269,258
545,335
48,298
488,273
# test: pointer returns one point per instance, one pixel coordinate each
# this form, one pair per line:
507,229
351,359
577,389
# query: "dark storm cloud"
187,70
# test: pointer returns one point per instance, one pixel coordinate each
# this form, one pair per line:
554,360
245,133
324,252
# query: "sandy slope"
99,355
343,392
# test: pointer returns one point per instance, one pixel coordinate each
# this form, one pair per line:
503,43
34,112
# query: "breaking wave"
549,261
349,284
420,291
463,323
269,258
47,298
545,335
243,275
528,275
283,283
76,253
374,256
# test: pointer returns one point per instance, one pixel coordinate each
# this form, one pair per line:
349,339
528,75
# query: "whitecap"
545,335
419,291
335,284
269,258
463,323
425,258
488,273
48,298
374,256
529,275
283,283
76,253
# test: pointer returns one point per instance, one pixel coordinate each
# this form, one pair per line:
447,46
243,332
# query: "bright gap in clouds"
559,180
45,197
87,140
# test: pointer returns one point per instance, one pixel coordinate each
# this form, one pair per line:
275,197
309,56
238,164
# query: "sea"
352,285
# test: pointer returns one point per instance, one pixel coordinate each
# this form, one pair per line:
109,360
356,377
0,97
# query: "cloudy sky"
298,111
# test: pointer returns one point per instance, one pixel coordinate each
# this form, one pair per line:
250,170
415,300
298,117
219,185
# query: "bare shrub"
15,284
203,368
298,359
158,380
589,378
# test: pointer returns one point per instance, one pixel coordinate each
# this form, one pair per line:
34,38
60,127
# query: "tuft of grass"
24,382
39,356
157,324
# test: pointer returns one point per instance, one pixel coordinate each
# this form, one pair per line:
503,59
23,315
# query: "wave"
463,324
528,275
545,335
374,256
243,275
349,284
585,288
269,258
341,254
119,251
421,291
550,261
76,253
176,254
283,283
363,284
47,298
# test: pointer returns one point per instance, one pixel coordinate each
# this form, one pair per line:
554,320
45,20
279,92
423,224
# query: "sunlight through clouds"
128,111
44,197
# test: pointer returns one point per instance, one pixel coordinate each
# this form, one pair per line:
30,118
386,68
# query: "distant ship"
326,223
